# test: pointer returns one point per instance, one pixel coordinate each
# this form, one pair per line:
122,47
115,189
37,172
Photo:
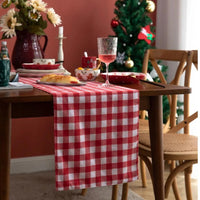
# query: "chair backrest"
184,61
192,59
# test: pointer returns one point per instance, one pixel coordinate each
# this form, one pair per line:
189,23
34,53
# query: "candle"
85,54
60,34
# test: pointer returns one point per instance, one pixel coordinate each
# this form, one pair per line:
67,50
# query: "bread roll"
55,78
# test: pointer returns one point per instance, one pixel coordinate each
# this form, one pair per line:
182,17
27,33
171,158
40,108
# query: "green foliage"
132,16
179,108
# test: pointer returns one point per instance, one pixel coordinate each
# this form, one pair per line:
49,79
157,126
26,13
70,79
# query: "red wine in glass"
107,58
107,49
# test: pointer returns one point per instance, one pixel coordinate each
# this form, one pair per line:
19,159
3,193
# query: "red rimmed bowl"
124,77
40,66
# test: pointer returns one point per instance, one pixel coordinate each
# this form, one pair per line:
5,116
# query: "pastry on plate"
58,78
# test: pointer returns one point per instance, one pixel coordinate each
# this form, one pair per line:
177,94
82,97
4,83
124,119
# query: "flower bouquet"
26,15
25,19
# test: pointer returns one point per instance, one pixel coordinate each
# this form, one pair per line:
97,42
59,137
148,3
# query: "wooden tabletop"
34,95
35,103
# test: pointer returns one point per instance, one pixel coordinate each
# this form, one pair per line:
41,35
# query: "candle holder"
61,56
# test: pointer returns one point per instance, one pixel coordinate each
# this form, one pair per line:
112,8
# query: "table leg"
125,191
156,138
5,136
114,192
83,192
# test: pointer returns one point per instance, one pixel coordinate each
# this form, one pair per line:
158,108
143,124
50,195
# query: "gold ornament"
151,6
129,63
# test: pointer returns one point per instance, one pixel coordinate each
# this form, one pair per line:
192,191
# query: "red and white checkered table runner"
96,134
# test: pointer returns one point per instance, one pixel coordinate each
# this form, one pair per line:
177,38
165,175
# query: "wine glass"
107,49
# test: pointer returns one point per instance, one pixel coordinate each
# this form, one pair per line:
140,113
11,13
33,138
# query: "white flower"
35,16
8,23
27,3
5,3
14,23
28,15
53,17
38,5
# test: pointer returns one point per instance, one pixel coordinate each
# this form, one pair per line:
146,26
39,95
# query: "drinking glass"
107,49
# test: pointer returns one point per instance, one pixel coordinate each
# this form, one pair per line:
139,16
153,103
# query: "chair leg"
174,184
173,174
187,172
83,192
114,192
143,173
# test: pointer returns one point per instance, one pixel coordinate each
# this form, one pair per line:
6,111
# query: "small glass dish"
87,74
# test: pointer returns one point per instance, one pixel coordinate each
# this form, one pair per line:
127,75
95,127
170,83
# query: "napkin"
16,85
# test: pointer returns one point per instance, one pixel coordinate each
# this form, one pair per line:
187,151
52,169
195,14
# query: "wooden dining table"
25,103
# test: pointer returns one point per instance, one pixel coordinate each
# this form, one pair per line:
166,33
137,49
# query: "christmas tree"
134,30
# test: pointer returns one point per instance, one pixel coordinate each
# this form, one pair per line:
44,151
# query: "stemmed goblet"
107,49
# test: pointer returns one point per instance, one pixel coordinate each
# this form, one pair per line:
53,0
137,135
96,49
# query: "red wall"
83,22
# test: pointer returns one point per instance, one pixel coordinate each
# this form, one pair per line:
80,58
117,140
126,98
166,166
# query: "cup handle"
45,43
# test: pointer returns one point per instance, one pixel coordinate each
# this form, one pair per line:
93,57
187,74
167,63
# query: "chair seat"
174,145
143,125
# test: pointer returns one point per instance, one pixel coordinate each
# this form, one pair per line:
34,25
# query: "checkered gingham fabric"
96,134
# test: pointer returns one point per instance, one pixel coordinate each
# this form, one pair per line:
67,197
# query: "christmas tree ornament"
146,34
114,23
120,58
129,63
150,6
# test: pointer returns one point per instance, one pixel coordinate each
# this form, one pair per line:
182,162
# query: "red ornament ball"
114,23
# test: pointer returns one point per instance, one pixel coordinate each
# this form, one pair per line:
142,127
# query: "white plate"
61,84
38,71
35,74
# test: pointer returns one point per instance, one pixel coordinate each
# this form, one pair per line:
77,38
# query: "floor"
21,184
41,186
147,193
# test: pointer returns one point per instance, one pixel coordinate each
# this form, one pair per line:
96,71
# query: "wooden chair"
177,148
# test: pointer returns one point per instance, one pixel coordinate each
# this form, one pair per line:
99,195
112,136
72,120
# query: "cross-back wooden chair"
176,146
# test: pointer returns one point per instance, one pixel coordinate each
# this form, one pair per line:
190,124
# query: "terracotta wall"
83,22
